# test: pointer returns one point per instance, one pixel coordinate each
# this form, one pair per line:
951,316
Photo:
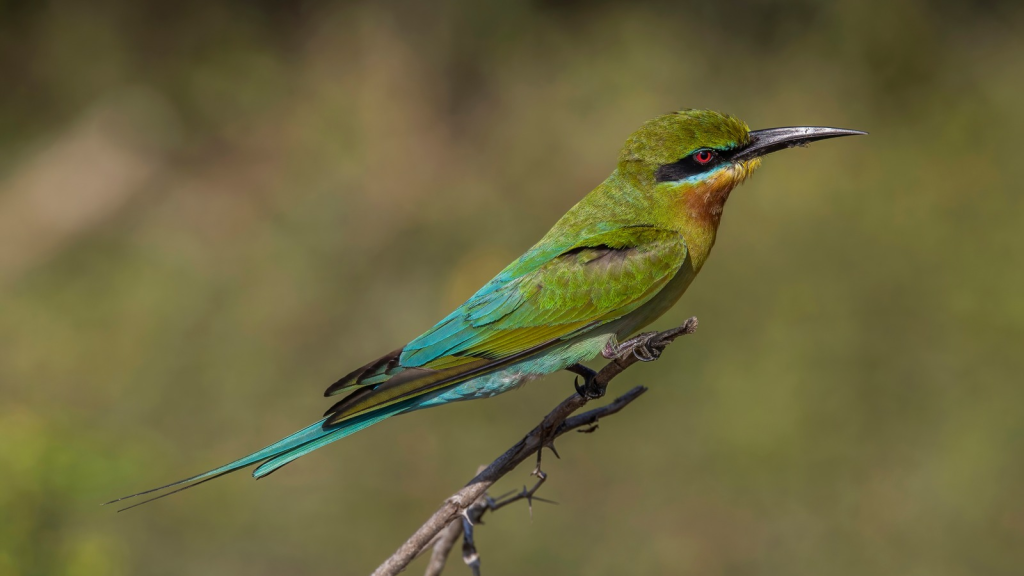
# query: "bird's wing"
533,304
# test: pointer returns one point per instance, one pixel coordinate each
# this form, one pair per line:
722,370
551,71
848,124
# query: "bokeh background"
211,209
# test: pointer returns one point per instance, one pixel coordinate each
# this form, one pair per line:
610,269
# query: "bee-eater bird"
615,262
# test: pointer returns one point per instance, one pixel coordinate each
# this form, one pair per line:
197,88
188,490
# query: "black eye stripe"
688,166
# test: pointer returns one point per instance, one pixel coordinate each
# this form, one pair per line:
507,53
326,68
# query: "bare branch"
559,421
443,545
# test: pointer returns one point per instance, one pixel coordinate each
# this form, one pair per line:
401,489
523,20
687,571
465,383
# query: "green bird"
615,262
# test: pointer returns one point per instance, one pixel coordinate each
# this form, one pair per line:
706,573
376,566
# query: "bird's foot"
590,389
642,346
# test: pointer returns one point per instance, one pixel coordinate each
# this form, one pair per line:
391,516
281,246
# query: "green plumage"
615,262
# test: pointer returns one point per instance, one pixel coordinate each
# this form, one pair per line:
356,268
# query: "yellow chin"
742,170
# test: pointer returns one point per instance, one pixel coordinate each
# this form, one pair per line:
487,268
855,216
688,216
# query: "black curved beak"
774,139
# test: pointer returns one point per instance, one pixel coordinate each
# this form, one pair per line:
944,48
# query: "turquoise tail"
281,452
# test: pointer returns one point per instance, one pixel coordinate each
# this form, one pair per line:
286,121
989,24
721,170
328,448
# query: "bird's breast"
659,304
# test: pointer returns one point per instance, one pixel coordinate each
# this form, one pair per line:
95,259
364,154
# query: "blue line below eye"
698,177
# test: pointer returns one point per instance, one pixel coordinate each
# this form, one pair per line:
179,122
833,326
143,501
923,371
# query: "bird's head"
696,157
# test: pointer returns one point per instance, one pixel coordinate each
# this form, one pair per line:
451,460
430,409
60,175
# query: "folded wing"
535,303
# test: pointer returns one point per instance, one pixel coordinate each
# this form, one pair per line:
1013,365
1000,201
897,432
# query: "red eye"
703,156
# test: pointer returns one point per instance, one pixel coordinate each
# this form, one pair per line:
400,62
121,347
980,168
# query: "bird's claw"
590,389
641,346
644,352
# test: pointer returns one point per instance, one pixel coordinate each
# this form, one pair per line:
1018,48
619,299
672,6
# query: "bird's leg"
590,389
639,346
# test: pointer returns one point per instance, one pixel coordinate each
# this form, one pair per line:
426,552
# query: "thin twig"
474,515
445,540
559,421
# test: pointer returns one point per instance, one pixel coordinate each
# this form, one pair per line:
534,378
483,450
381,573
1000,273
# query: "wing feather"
527,308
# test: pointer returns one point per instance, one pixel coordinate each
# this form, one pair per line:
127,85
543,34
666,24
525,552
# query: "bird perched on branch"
615,262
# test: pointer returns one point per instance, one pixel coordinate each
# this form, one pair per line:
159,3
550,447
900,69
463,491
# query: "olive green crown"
668,138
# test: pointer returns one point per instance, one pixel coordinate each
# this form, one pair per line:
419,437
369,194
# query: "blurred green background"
210,210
